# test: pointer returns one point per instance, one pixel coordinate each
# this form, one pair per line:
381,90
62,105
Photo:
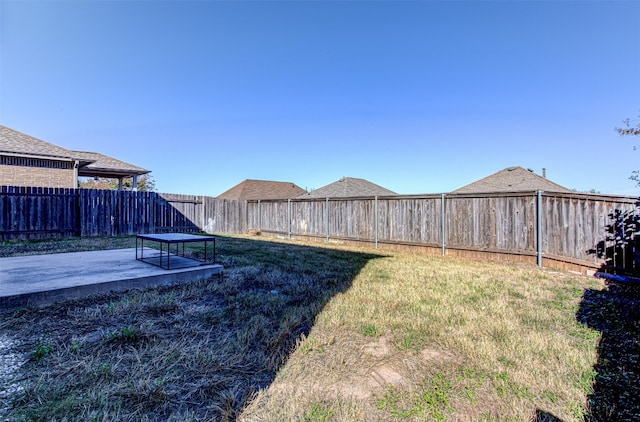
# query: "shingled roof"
512,179
105,166
262,189
348,187
17,143
91,164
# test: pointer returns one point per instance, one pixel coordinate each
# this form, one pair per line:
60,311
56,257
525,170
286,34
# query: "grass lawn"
313,332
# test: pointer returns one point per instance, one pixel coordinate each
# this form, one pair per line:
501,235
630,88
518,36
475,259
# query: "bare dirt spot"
379,348
439,356
356,368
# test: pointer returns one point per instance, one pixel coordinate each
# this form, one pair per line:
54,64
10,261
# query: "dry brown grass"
300,332
452,339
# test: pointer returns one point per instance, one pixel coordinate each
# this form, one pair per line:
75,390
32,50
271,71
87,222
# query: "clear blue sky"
417,96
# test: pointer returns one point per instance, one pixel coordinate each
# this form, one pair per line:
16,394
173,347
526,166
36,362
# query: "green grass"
312,332
42,350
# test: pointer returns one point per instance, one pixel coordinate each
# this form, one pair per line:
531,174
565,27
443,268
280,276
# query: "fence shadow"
615,312
620,249
189,352
542,416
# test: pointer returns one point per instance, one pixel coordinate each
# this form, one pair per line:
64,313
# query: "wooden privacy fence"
571,231
36,213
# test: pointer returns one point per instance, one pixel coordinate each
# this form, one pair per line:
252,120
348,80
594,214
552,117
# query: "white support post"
76,164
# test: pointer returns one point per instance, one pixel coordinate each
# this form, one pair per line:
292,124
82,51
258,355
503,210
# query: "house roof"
512,179
17,143
348,187
91,164
105,166
262,189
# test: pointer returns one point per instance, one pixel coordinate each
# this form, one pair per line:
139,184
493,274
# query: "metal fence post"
539,228
203,220
376,207
444,230
289,216
327,218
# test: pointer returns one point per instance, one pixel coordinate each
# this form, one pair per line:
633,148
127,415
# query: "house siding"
20,175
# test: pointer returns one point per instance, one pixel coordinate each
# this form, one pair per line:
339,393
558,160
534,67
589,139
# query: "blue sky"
417,96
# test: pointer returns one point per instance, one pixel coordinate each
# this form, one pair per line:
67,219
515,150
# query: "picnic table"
176,239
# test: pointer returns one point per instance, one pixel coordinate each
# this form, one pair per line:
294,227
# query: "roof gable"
512,179
262,189
348,187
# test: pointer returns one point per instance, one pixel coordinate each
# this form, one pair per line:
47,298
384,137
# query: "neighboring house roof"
348,187
91,164
17,143
512,179
262,189
105,166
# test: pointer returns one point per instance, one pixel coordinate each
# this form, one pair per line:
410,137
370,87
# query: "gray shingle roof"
105,165
512,179
262,189
92,164
18,143
348,187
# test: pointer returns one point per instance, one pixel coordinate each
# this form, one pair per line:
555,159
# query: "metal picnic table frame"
174,239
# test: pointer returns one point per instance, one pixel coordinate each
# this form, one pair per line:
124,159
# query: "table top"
175,237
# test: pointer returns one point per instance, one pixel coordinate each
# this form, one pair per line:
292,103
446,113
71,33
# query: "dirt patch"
379,348
355,367
439,356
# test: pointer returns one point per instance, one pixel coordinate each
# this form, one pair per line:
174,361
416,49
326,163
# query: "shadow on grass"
542,416
190,352
615,312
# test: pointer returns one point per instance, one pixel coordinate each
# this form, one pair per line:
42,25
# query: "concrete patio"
38,280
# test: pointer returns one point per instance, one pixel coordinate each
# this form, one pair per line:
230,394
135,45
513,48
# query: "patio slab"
38,280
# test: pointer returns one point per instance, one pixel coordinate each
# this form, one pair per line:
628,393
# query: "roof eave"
110,173
38,156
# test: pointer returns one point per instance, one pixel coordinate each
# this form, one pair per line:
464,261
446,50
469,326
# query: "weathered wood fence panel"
309,218
115,213
352,219
269,216
175,212
412,220
35,212
578,226
491,223
224,216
